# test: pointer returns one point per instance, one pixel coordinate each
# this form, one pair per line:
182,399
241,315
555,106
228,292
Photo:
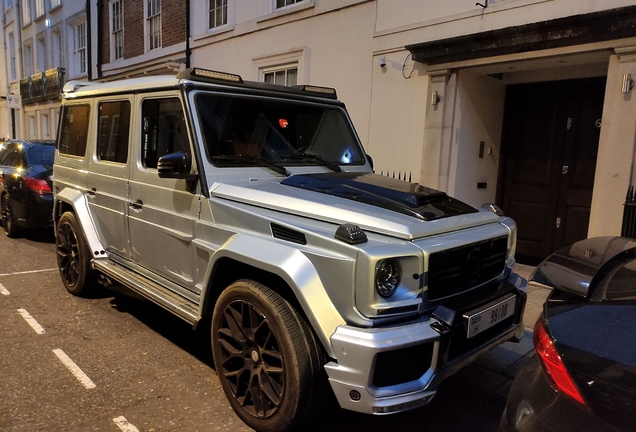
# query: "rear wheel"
9,223
73,256
267,358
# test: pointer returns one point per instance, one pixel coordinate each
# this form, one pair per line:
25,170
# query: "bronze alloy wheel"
268,360
73,257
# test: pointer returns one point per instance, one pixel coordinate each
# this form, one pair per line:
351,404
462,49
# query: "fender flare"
77,200
291,265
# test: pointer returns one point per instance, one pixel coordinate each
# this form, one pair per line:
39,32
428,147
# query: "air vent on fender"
287,234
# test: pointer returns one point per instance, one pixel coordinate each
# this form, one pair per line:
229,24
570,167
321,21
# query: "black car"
583,374
26,197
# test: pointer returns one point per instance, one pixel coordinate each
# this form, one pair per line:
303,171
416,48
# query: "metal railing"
42,86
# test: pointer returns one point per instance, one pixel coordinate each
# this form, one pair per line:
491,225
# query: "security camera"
382,61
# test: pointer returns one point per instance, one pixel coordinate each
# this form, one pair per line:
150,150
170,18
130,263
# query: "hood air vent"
287,234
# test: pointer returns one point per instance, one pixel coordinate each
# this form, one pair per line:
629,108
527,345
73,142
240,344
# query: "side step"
182,307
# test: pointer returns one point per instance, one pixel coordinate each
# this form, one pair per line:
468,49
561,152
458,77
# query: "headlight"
387,277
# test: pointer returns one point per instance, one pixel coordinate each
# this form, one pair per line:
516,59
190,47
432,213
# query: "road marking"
75,370
124,424
3,290
31,321
28,272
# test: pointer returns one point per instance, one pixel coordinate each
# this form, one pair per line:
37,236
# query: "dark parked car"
583,374
26,197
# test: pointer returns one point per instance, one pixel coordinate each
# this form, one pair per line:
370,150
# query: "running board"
181,307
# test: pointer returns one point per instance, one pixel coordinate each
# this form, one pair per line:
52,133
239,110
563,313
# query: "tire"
9,222
268,360
73,256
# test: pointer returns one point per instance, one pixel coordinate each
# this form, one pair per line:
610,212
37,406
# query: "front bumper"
393,369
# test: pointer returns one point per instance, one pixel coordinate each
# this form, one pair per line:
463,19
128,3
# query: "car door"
107,186
163,212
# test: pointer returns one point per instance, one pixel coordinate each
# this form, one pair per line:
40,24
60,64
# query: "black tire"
268,360
73,256
9,223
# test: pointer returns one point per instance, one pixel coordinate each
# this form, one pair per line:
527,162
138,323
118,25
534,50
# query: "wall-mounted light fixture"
628,83
435,98
382,61
484,5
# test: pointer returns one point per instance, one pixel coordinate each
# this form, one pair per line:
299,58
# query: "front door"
162,212
550,143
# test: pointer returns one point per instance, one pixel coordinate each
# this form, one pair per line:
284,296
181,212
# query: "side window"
74,130
114,124
163,130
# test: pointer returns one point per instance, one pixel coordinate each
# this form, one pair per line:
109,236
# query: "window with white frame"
56,37
79,49
26,12
41,52
12,69
153,23
282,75
32,130
27,52
283,3
55,3
39,8
217,13
44,127
117,29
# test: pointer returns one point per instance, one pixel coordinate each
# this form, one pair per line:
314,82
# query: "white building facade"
526,103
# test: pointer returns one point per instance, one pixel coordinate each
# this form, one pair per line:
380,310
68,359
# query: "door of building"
550,143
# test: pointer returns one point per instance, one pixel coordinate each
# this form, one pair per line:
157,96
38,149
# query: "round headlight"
387,277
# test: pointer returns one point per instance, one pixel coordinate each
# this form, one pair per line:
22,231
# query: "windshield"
275,131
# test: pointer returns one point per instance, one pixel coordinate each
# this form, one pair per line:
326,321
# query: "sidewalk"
495,370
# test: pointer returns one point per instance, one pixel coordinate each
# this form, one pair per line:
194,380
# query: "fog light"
387,277
355,395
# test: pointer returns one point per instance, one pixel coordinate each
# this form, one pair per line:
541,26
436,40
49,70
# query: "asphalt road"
118,363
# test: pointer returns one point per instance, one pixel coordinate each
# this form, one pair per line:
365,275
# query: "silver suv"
255,205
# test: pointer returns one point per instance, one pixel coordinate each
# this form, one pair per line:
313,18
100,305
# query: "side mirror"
370,159
175,165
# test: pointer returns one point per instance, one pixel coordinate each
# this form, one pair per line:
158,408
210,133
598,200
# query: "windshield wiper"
256,160
313,158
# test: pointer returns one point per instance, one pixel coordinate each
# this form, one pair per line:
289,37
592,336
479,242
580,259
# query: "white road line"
31,321
28,272
124,424
3,290
75,370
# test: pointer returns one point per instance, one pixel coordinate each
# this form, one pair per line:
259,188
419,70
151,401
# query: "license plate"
482,319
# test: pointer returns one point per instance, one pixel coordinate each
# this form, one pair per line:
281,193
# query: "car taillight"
553,364
37,185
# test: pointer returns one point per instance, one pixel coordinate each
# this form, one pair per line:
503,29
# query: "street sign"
14,101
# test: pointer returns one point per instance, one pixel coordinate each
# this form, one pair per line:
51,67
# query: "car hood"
375,203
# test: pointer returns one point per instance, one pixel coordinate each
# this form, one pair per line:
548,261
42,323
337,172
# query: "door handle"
136,205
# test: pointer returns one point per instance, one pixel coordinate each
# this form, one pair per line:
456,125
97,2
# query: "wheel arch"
74,201
284,269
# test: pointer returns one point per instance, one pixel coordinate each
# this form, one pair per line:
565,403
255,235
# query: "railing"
42,86
400,175
629,214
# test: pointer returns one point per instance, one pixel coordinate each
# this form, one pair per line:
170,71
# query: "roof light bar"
205,73
322,90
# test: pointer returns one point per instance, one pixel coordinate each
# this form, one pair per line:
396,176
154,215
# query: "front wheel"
73,256
267,358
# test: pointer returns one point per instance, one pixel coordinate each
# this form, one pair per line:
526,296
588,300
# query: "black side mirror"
174,165
370,159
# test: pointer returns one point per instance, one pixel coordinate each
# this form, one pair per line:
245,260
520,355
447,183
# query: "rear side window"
114,124
163,130
74,130
13,157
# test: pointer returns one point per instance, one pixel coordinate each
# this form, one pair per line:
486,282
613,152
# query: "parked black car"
583,374
26,197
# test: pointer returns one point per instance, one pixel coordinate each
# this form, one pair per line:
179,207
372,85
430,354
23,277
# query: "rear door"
107,191
163,212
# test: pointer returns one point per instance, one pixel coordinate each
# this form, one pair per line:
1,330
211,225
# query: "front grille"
456,270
